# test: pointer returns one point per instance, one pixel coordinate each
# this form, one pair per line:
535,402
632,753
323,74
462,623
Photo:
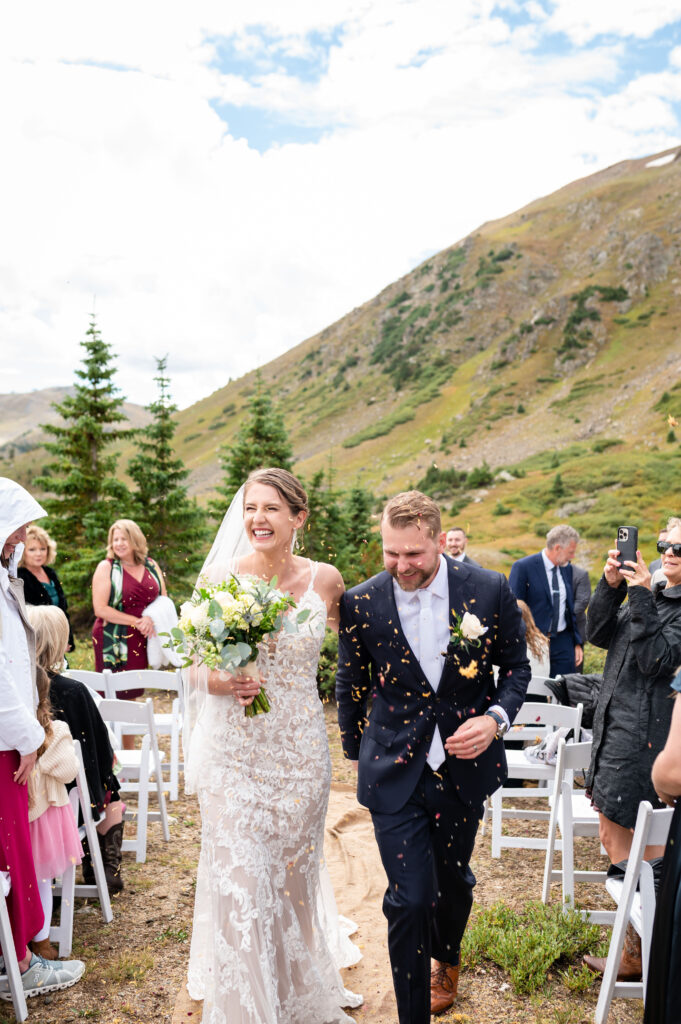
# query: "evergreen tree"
363,554
86,495
173,523
262,440
324,535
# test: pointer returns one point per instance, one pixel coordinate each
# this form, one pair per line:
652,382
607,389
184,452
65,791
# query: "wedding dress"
259,952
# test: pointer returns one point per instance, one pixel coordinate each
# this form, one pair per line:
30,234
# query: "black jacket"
374,659
73,703
35,593
634,707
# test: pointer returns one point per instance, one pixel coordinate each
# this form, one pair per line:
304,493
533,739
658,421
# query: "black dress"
36,592
73,703
663,994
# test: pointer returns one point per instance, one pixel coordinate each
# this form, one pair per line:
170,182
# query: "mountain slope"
547,343
568,309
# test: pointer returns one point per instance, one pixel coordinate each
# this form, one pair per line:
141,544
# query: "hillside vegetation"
546,347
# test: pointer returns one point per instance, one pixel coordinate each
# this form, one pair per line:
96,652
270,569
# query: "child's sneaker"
45,976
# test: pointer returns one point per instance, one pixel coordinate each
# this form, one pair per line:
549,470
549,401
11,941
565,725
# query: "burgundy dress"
136,597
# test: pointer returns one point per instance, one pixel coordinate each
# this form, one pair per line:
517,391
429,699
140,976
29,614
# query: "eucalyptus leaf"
304,615
215,609
217,628
245,651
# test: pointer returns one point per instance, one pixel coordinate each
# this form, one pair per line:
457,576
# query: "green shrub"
480,476
527,943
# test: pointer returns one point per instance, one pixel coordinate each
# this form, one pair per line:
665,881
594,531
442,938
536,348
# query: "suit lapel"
543,578
461,599
398,640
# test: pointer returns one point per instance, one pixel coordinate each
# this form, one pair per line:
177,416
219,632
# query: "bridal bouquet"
224,622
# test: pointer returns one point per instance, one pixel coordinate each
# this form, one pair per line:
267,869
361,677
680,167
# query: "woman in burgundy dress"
123,586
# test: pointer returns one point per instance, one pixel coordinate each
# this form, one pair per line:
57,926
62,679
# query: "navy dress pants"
562,653
425,848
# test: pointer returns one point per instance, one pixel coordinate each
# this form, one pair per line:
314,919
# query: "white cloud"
127,186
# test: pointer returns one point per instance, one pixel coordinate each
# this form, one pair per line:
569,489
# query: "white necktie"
429,659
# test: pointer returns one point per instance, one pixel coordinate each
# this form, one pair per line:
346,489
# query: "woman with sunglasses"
642,636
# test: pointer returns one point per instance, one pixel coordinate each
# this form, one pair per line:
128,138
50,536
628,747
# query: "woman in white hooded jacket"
20,737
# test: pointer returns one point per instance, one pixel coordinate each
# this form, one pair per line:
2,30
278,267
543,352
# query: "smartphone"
627,544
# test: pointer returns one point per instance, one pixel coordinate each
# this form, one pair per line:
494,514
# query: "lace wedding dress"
259,954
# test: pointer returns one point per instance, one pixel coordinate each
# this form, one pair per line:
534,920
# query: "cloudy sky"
220,180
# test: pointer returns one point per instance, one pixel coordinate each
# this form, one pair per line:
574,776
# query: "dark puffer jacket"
634,709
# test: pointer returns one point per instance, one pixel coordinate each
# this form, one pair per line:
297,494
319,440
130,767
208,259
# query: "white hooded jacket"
19,728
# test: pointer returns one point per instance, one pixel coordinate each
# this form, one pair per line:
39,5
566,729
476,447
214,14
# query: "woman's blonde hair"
43,538
536,641
138,542
51,629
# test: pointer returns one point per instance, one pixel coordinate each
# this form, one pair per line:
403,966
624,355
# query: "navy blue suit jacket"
392,740
530,583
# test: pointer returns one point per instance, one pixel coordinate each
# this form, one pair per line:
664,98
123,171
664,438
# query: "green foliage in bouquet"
224,622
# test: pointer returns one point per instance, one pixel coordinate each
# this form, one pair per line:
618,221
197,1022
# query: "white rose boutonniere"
465,631
471,628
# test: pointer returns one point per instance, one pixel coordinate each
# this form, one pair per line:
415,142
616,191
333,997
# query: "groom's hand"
472,738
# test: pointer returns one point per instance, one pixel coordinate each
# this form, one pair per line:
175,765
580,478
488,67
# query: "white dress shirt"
424,617
548,565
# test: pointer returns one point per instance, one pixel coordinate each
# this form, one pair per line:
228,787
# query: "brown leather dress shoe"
444,982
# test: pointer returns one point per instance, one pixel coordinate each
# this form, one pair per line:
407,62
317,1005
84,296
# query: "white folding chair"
572,813
537,688
93,680
637,908
11,970
80,798
533,722
66,887
137,767
167,724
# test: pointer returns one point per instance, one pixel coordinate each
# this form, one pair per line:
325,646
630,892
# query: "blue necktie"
555,592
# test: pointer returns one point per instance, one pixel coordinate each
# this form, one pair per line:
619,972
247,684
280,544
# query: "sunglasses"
665,545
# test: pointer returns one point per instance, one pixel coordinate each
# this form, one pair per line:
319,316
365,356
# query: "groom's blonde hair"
412,508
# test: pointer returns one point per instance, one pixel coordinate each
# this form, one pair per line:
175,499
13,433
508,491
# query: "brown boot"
44,948
444,982
631,967
110,845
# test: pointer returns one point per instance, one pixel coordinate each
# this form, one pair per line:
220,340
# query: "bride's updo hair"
288,486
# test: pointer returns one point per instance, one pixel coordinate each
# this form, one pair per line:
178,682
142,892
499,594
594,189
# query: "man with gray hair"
544,581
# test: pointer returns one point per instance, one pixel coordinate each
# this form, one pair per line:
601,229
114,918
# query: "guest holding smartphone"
633,711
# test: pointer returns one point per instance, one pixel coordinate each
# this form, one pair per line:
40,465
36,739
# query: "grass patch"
527,943
132,966
381,427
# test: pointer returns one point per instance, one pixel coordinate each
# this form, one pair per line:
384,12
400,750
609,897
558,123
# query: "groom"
430,750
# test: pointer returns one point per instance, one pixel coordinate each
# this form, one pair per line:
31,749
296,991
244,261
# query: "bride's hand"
244,688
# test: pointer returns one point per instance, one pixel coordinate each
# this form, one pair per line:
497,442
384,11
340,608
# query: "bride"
260,943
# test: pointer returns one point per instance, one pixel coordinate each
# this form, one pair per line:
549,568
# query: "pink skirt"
55,842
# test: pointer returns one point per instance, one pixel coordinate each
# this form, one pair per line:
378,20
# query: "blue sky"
228,179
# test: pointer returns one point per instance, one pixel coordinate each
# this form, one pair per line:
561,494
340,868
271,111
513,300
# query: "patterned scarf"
115,634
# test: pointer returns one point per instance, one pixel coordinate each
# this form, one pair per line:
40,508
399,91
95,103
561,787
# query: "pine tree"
173,523
262,440
86,495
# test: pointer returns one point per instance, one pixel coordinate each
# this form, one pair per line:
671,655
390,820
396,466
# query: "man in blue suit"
420,639
544,582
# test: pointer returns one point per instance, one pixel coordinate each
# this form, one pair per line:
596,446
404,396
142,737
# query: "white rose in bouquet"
198,615
471,627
